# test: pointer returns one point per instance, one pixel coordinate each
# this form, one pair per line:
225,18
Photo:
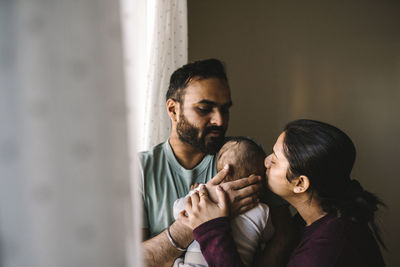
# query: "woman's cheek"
270,180
275,183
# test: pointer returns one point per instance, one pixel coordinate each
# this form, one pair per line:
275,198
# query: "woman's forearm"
217,244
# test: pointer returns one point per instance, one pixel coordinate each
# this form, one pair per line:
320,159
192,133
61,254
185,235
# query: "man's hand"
242,193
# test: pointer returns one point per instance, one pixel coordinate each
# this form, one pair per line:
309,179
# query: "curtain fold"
168,50
64,166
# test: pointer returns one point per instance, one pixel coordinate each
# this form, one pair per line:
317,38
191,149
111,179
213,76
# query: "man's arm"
278,249
158,251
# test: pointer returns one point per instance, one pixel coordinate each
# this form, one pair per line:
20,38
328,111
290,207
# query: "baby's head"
244,156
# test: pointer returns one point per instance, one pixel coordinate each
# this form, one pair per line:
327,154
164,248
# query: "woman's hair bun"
353,188
359,205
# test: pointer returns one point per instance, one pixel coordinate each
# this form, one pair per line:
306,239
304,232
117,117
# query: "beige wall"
331,61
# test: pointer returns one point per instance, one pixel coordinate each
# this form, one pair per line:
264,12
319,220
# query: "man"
198,102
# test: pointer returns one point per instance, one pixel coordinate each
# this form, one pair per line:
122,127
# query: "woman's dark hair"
326,156
202,69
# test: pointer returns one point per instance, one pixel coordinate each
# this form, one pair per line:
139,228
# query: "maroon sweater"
330,241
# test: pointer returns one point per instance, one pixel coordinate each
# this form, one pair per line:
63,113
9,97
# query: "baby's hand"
193,186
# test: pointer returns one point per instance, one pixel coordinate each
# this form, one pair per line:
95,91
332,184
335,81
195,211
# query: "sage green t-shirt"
164,180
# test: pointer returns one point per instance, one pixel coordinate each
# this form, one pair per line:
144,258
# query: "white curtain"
168,52
156,44
65,195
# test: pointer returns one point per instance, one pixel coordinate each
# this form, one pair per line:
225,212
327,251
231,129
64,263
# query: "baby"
250,229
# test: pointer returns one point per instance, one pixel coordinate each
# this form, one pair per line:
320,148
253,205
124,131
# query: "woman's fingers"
195,199
183,217
203,193
222,199
193,186
199,208
188,205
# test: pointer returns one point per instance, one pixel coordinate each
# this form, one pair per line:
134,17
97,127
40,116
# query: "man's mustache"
214,128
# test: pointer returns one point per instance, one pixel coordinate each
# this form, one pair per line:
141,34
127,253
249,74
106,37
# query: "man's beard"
189,134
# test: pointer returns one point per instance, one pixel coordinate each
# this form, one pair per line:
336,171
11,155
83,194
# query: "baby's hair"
249,157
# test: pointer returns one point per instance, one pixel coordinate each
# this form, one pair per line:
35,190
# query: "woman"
310,168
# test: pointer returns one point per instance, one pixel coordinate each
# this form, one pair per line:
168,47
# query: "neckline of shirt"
200,168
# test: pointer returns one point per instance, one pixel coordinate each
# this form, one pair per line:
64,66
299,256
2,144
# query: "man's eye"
204,110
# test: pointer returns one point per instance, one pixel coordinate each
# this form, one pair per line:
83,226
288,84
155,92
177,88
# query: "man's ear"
172,109
302,183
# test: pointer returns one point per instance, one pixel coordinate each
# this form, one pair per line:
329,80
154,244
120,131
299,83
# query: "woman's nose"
267,162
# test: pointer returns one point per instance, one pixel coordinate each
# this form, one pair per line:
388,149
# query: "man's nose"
217,118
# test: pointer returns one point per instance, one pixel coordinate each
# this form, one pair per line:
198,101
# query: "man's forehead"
210,89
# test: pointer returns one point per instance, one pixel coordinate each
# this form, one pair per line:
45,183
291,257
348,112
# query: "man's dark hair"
202,69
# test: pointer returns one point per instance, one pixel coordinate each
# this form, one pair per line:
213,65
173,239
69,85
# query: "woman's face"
277,166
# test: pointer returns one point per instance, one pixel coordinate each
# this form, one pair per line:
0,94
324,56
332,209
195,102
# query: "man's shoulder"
151,164
153,153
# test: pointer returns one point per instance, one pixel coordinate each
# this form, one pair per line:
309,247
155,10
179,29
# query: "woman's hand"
200,209
242,193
